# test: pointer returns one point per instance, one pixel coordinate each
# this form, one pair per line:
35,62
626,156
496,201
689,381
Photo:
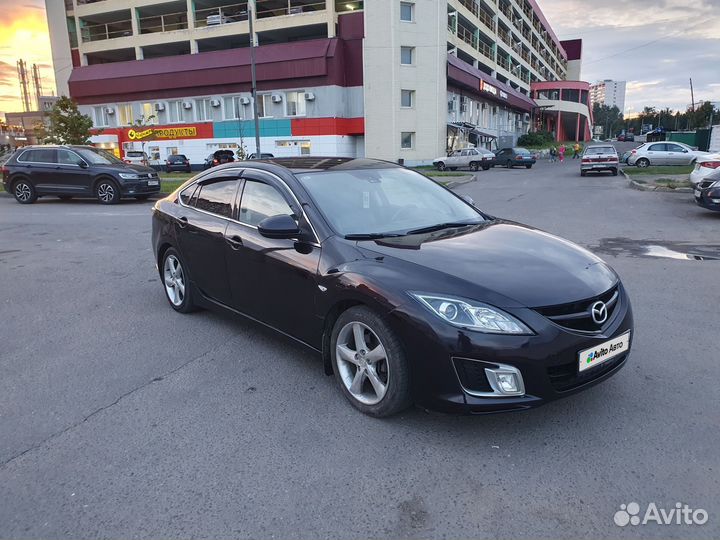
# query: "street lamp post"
254,82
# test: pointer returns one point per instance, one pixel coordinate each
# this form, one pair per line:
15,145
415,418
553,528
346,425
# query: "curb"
457,180
652,187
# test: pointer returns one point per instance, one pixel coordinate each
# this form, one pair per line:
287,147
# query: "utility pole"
692,95
251,15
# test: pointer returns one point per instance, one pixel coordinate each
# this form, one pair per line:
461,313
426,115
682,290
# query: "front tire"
441,166
24,192
107,192
176,283
474,166
509,164
369,363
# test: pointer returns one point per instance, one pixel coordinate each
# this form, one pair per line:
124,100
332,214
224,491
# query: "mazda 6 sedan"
410,294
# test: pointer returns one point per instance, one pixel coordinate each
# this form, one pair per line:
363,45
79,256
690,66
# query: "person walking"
576,150
561,153
553,154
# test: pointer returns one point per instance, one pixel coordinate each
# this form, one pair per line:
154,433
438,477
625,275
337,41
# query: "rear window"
523,151
134,154
177,158
594,150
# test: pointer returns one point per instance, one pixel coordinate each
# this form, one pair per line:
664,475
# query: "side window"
217,198
674,148
186,195
41,155
259,201
657,148
65,157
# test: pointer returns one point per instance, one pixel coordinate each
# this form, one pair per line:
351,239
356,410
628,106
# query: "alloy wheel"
362,363
106,192
174,279
23,192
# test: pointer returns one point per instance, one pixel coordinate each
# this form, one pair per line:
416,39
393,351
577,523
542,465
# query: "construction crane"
24,90
37,85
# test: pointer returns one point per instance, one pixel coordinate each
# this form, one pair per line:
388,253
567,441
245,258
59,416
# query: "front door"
677,155
657,154
73,177
200,230
273,281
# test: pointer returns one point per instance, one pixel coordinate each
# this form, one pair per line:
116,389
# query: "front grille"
577,315
472,375
566,376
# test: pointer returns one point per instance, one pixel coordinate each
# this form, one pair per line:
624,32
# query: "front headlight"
129,176
473,316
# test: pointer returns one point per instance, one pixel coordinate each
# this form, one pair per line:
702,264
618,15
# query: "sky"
654,45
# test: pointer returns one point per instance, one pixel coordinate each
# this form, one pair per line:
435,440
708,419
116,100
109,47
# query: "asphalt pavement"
120,418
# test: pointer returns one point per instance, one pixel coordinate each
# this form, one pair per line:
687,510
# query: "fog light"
505,380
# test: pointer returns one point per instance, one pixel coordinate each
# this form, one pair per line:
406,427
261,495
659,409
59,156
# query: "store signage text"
162,133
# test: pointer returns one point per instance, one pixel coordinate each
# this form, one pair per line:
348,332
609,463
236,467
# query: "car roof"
309,164
607,145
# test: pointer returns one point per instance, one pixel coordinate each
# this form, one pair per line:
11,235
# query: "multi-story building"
608,92
393,79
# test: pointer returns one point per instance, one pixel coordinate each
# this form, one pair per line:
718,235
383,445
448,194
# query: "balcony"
106,26
212,13
279,8
479,12
162,18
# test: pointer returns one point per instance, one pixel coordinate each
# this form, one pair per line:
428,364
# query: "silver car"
473,158
663,153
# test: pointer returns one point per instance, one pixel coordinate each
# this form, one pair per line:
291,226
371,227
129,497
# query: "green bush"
536,139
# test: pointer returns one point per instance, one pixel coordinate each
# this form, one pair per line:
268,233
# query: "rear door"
74,178
200,229
39,165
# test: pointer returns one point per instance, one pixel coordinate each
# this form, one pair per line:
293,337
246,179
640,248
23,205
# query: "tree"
610,118
67,124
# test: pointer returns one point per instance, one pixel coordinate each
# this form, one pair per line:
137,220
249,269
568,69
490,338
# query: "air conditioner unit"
276,98
309,96
214,102
245,100
109,110
159,106
187,104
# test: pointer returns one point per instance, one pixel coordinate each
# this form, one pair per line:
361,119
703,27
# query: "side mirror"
281,226
468,199
82,164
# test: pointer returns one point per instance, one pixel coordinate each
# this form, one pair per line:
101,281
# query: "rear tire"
528,166
583,173
24,192
107,192
486,167
614,172
369,363
176,282
643,163
474,166
509,164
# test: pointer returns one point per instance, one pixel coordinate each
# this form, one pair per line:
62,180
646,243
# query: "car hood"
528,266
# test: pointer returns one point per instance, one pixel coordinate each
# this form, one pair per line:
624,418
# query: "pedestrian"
561,153
553,154
576,150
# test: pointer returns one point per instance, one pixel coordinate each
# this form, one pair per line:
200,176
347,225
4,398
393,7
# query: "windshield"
384,201
97,157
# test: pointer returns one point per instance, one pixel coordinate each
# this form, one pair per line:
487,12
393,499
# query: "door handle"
182,222
235,242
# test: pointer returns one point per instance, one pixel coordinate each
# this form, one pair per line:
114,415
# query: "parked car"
514,157
705,166
664,153
629,137
472,158
707,192
219,157
136,157
75,171
263,155
408,291
598,158
177,162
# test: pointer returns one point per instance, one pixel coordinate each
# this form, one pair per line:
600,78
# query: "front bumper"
130,189
548,361
707,202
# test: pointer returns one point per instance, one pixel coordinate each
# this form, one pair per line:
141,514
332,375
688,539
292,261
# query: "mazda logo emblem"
599,312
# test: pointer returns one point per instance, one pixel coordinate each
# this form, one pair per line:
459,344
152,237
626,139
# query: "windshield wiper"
441,226
371,236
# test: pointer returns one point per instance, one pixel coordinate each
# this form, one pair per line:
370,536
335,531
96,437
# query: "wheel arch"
331,317
102,177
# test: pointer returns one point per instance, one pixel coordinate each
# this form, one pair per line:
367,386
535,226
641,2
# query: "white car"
664,153
472,158
704,166
136,157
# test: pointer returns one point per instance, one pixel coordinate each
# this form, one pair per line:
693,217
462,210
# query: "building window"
407,140
236,110
264,105
295,103
101,117
407,98
407,56
407,11
203,110
149,115
125,114
177,113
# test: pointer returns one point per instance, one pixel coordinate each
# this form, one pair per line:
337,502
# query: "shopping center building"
391,79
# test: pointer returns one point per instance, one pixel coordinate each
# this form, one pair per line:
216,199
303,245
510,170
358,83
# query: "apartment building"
392,79
608,92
